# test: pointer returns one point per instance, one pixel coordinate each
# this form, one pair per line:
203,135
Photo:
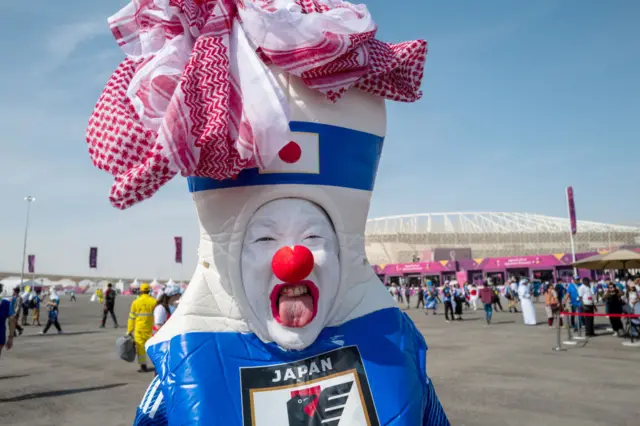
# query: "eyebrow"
264,221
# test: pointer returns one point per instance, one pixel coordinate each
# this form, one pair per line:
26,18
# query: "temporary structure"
87,284
621,259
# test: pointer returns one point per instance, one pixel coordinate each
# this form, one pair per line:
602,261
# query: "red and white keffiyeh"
195,96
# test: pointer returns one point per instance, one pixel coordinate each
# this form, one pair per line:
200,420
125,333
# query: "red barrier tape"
582,314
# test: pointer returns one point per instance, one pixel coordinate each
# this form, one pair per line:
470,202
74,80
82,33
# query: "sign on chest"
329,389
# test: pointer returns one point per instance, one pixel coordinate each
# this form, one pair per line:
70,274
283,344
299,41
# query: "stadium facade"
402,239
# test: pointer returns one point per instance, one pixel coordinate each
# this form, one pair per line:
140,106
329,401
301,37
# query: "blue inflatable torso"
369,371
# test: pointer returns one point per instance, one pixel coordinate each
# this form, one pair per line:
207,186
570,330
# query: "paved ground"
506,374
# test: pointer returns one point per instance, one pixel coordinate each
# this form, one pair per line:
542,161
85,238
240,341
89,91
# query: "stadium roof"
484,223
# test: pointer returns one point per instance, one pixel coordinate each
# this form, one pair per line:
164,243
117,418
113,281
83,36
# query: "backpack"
33,304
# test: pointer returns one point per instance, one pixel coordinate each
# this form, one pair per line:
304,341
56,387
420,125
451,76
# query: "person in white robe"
528,311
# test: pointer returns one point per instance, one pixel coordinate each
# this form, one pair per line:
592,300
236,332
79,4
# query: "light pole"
29,199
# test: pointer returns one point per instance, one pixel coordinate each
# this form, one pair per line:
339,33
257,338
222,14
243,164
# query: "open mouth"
294,305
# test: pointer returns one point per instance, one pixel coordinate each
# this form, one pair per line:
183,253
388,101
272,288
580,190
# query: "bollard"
580,335
569,340
558,347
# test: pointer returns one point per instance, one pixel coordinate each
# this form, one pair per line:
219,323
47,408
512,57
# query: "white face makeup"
294,312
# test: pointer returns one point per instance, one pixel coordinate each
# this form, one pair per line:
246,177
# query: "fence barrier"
571,339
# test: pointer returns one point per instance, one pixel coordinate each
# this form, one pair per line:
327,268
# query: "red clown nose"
292,265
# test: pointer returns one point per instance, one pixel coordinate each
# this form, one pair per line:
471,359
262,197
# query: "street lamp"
29,199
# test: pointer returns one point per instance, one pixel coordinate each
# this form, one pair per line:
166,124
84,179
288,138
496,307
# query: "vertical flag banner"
32,263
93,257
178,241
572,211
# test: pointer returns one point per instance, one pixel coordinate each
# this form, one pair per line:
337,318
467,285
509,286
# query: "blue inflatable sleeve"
367,371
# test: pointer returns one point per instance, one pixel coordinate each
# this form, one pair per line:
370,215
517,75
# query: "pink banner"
178,242
32,263
572,210
93,257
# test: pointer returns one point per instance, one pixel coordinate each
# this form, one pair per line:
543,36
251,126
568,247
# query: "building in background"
402,239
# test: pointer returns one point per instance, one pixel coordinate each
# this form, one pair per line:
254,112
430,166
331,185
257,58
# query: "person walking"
486,296
512,301
73,296
614,305
16,309
459,299
140,324
421,296
473,295
432,300
528,310
165,307
573,298
109,306
552,305
588,306
447,299
497,304
6,314
35,308
53,304
25,307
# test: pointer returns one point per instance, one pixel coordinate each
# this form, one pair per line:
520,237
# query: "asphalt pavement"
503,374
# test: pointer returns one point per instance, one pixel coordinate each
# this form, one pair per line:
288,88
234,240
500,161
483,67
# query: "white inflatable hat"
331,161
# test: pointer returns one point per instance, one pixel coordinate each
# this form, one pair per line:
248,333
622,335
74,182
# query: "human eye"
312,237
264,239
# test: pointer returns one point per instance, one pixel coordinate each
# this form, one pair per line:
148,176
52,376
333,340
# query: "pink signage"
424,268
544,261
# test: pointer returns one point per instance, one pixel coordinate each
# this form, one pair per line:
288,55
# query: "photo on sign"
330,389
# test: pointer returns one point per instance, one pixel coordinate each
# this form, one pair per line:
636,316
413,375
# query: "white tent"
8,284
120,286
171,282
135,284
87,283
65,282
103,284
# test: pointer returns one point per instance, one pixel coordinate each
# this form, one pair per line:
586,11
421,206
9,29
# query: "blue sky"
521,99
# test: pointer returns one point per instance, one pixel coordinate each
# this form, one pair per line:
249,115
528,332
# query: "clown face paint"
290,270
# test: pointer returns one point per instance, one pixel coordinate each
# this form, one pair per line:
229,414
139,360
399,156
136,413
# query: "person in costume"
526,304
100,296
474,295
140,324
276,113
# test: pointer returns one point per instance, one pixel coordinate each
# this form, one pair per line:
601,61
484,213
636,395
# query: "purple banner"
32,263
178,241
572,211
93,257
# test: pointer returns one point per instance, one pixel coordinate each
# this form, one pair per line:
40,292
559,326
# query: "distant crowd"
581,295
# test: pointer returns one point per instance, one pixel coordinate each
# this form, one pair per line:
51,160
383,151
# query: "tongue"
296,311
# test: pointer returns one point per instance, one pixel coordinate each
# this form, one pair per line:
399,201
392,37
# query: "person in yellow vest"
140,325
100,296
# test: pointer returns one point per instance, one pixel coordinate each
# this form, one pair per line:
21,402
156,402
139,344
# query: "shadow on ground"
63,392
